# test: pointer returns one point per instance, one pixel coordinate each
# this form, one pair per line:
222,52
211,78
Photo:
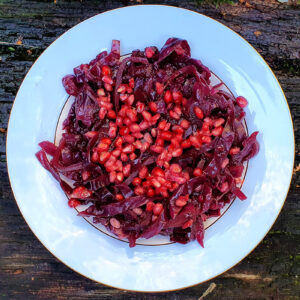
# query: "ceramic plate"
100,257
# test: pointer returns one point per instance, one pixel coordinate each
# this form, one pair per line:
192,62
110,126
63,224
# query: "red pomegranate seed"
118,166
129,90
147,116
162,124
217,131
102,147
187,224
112,132
121,89
81,192
225,163
140,107
163,191
119,142
145,146
102,113
153,107
177,96
119,121
143,172
178,110
159,142
106,141
120,177
138,144
73,203
127,121
155,183
159,88
128,139
132,114
137,135
124,130
185,124
115,223
135,127
153,132
174,115
104,156
161,180
107,79
130,99
148,138
108,87
139,191
146,184
157,149
149,52
180,202
123,157
106,70
155,118
136,181
208,120
95,157
119,197
123,97
150,204
157,209
128,149
198,112
197,172
91,134
132,156
224,187
175,168
112,176
186,175
166,135
131,82
144,125
100,92
175,185
177,152
138,211
234,150
219,122
205,126
111,114
168,97
241,101
206,139
158,172
186,144
116,152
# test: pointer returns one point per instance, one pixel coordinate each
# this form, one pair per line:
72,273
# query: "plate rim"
293,135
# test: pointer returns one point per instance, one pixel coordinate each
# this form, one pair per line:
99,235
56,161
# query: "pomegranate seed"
187,224
208,120
149,52
177,96
137,135
161,180
106,70
145,146
127,121
111,114
138,211
153,107
130,99
177,152
186,175
131,82
102,147
120,177
205,126
150,204
135,128
225,163
168,185
95,157
123,157
219,122
195,142
186,144
166,165
206,139
153,132
119,121
146,184
185,124
241,101
136,181
148,138
198,112
138,144
140,107
155,118
112,132
116,152
143,172
158,172
106,141
159,88
132,156
178,110
132,114
180,202
175,185
119,142
90,134
73,203
224,187
166,135
107,79
174,115
102,113
163,191
217,131
104,156
147,116
156,183
197,172
124,131
234,150
115,223
81,192
108,87
157,209
159,142
128,139
85,175
157,149
121,89
119,197
175,168
123,97
139,190
144,125
162,124
126,170
168,97
118,166
128,149
129,89
100,92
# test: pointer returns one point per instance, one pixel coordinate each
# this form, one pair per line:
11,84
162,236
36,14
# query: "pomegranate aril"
154,132
128,149
234,150
81,192
177,152
180,202
150,204
124,157
198,112
143,172
120,177
177,97
157,209
91,134
149,52
128,139
126,170
219,122
155,183
135,128
217,131
100,92
124,130
175,168
139,191
112,132
174,115
146,184
111,114
102,147
108,87
162,124
104,156
132,156
132,114
119,142
163,191
129,89
185,124
115,223
157,149
186,144
159,88
138,144
137,181
127,121
95,157
131,82
144,125
112,176
206,139
73,203
148,138
130,99
147,116
205,126
166,135
195,142
107,79
155,118
123,97
158,172
186,175
102,113
197,172
187,224
241,101
116,152
145,146
137,135
168,97
119,197
153,107
140,107
121,89
106,70
119,121
208,120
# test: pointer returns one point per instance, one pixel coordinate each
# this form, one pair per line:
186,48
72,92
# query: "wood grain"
29,271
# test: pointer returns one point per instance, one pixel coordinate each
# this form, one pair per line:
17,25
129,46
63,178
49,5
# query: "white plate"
146,268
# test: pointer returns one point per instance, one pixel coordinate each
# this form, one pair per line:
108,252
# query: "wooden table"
29,271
